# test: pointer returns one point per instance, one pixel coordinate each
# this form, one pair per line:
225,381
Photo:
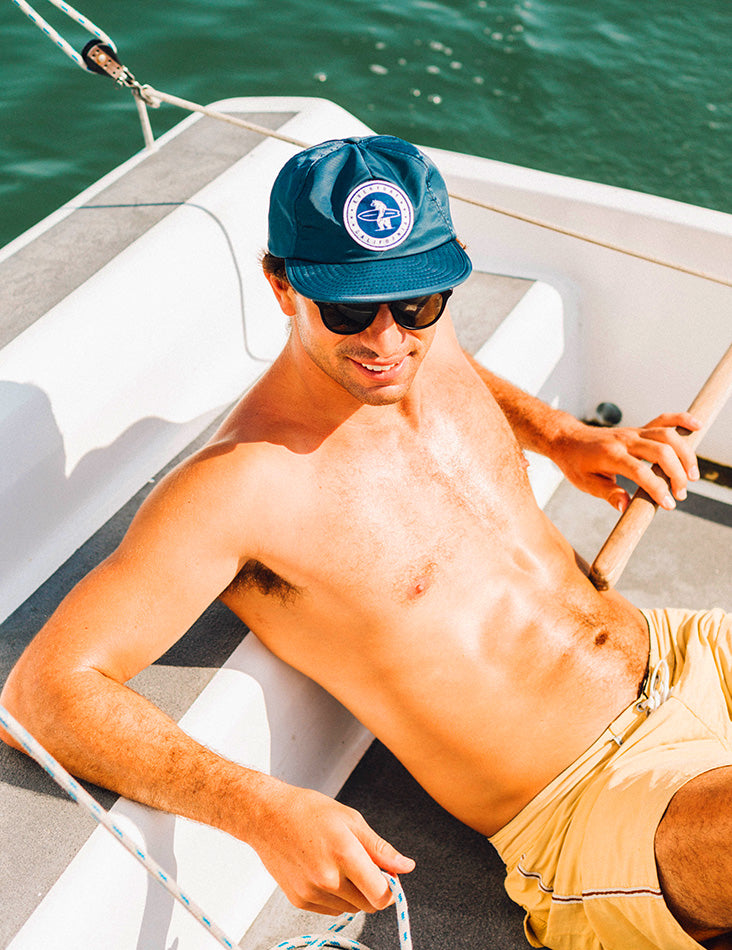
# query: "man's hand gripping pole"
623,539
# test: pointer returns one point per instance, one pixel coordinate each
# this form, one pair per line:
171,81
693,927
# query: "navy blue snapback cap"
364,219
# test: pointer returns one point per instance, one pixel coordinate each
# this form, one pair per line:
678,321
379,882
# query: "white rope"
154,97
56,37
78,794
331,936
82,798
558,229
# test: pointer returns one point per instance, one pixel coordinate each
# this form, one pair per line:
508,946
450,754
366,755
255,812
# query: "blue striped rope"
82,798
331,939
56,37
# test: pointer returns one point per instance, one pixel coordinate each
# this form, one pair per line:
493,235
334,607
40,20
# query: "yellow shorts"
580,856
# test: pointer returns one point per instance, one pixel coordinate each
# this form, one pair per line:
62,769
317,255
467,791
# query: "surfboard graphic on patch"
378,215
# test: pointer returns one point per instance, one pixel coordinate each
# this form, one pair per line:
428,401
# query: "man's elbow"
28,696
9,700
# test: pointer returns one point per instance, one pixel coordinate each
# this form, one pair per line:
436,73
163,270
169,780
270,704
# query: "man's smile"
383,371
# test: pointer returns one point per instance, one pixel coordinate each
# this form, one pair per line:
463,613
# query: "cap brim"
382,278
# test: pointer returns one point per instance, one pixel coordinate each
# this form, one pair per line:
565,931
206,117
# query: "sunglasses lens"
416,314
421,312
347,318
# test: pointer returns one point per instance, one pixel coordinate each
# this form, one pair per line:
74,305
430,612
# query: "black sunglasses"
416,314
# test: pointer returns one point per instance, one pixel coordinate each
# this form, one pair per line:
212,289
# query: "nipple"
419,587
422,582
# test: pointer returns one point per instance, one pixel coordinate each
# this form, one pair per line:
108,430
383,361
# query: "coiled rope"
101,61
331,937
58,773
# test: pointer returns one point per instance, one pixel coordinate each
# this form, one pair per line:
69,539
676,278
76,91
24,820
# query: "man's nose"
384,333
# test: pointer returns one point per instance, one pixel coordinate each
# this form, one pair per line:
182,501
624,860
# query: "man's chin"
380,388
385,395
386,398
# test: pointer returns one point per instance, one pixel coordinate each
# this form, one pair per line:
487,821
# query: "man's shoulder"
233,468
217,501
257,451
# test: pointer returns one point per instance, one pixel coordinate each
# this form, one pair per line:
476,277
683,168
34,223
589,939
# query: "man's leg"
693,847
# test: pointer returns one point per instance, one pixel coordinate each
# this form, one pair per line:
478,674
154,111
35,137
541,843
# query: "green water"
631,92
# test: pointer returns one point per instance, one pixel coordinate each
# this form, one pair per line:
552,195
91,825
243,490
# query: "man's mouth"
380,369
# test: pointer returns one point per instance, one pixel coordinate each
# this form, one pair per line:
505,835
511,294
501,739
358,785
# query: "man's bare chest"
388,524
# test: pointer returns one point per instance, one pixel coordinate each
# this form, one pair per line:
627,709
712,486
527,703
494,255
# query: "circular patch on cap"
378,215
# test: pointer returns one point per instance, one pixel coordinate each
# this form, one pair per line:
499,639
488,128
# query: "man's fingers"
663,430
674,458
333,908
618,498
365,869
368,896
330,893
386,855
679,445
653,482
605,487
683,420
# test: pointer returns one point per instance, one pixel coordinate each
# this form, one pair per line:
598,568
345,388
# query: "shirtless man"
365,509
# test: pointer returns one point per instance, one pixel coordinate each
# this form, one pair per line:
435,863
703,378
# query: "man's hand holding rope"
323,854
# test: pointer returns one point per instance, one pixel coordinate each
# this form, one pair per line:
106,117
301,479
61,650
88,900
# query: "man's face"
377,366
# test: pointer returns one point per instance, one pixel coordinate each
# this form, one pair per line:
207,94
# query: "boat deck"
455,895
54,264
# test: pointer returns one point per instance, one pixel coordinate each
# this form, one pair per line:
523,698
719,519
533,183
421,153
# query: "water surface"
630,92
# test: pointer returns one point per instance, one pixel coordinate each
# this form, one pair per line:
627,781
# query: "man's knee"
693,848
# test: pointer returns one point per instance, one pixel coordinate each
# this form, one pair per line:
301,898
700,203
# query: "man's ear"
284,292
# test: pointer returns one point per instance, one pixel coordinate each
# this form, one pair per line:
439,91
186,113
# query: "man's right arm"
68,689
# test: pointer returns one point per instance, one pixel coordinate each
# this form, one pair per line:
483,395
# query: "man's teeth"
378,369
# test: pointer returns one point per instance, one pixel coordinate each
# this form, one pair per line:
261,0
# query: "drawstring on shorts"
654,693
658,689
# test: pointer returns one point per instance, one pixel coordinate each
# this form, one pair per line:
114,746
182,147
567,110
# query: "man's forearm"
537,426
323,854
108,734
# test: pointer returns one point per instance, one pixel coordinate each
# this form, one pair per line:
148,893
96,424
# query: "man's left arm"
591,457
